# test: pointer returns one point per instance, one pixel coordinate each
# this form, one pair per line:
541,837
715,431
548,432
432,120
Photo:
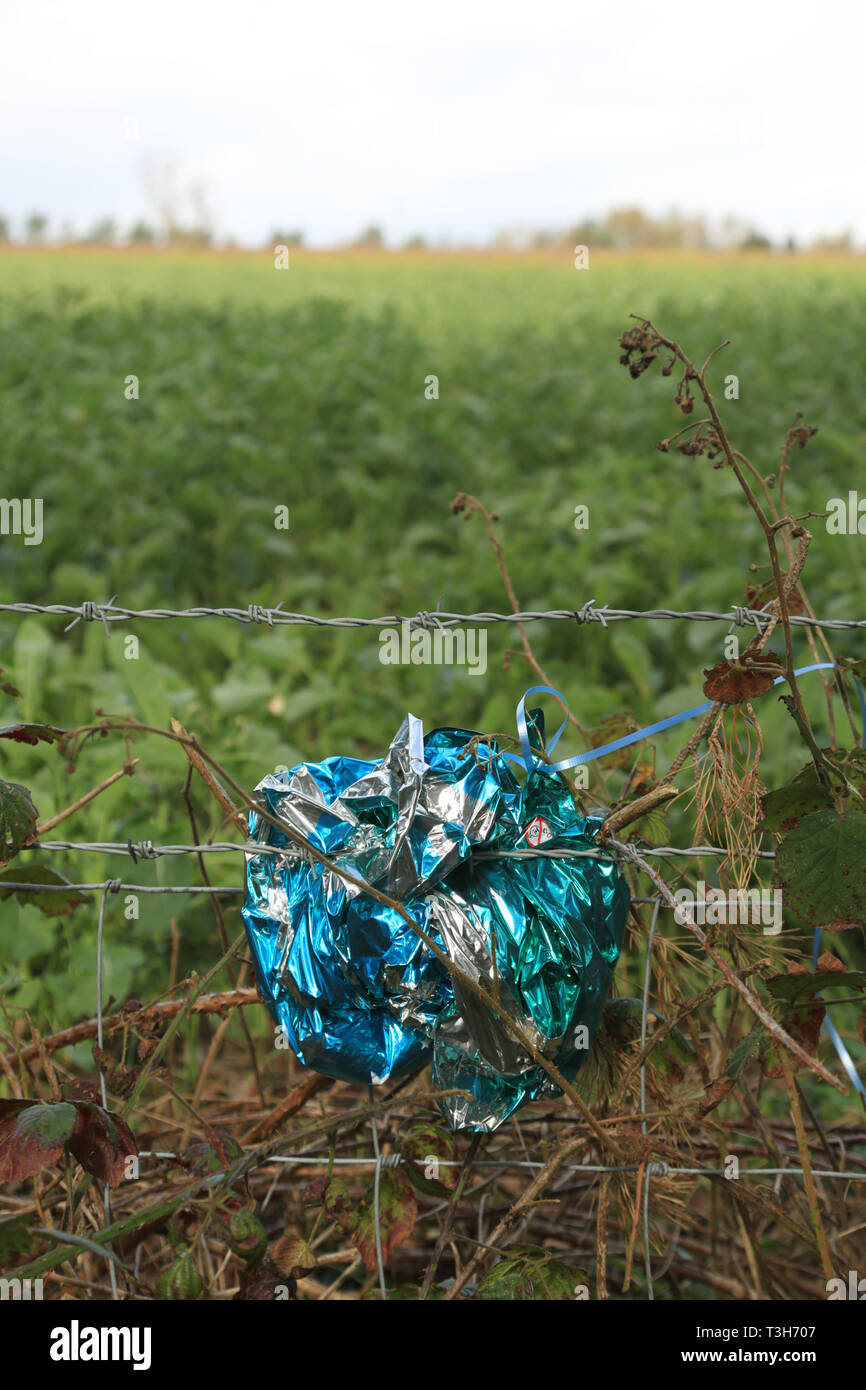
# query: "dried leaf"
716,1092
102,1142
8,688
33,1135
31,733
732,682
292,1256
803,1024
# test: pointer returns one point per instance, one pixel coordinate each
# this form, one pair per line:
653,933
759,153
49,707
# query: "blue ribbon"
530,763
841,1050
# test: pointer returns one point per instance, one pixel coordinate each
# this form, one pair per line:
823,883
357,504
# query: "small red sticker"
537,832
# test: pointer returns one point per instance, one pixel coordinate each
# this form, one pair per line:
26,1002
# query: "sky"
452,119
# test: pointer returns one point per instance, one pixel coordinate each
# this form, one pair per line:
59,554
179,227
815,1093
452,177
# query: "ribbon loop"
530,762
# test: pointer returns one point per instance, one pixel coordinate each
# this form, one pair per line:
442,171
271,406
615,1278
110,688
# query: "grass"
305,388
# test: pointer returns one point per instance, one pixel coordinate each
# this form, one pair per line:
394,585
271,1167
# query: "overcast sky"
450,118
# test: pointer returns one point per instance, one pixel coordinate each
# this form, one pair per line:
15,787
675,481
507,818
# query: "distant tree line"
620,229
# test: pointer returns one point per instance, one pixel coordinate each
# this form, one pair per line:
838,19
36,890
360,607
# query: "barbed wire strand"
660,1169
145,849
737,616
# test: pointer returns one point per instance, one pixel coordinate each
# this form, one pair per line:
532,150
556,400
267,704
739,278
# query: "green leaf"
181,1281
786,806
608,730
247,1236
18,819
15,1240
213,1155
339,1206
398,1210
530,1274
793,986
821,868
426,1149
51,904
635,658
744,1052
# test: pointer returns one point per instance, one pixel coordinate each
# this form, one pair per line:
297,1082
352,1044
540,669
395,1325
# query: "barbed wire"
737,616
145,849
658,1169
117,885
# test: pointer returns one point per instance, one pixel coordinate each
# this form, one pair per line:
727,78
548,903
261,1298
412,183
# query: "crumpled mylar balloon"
358,994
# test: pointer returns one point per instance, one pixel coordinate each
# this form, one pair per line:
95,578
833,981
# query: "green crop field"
305,389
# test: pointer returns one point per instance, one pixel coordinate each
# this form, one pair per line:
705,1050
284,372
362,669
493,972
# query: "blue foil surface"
358,995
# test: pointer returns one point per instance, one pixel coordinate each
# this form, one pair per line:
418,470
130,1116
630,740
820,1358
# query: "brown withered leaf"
8,688
33,1135
314,1191
732,682
102,1142
716,1093
292,1256
31,733
827,962
263,1283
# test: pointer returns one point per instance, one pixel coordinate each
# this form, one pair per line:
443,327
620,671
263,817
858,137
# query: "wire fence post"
111,885
643,1125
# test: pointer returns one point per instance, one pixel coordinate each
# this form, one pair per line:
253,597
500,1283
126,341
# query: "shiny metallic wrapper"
358,995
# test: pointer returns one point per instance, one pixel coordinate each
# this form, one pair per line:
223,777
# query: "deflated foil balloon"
358,994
